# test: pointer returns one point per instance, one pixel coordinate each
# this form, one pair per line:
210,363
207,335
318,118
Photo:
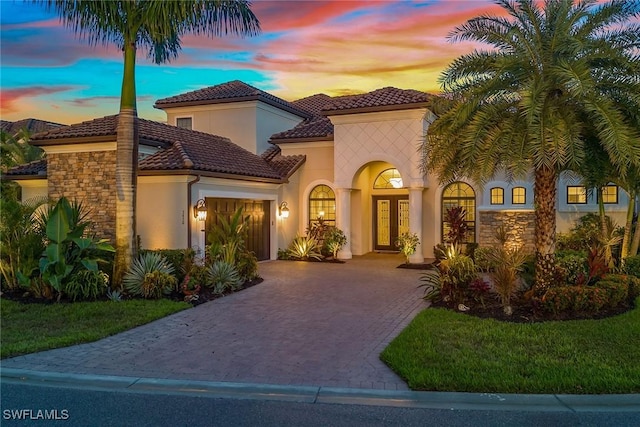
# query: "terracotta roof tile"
30,125
187,149
316,127
234,91
314,103
35,168
385,97
287,165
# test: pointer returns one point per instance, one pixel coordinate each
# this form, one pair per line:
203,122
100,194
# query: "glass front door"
390,219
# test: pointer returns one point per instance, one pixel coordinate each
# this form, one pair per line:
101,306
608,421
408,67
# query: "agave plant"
223,277
304,247
150,276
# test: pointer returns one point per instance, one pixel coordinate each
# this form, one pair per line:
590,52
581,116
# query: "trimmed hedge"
613,291
632,265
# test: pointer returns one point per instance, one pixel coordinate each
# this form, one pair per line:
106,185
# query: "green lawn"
447,351
28,328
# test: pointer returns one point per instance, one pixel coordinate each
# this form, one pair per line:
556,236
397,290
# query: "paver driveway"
318,324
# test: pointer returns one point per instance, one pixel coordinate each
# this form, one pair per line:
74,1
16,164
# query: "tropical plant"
150,276
521,106
482,258
457,227
21,242
508,263
228,244
16,150
303,248
454,275
87,285
223,277
114,295
334,241
407,243
157,26
68,249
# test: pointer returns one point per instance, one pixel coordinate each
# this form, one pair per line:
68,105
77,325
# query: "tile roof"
35,168
30,125
186,149
321,105
377,100
234,91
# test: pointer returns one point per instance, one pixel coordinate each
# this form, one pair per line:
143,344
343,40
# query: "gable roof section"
30,125
234,91
35,169
186,151
320,128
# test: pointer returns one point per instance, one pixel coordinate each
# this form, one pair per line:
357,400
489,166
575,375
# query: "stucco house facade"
353,161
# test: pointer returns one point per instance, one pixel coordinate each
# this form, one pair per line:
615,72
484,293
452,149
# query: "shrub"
223,277
479,289
334,240
482,258
150,276
617,288
632,265
180,259
407,243
578,299
87,285
303,248
571,265
454,217
456,274
634,287
247,266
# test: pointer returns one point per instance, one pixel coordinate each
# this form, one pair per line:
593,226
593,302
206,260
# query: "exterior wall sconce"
200,210
284,210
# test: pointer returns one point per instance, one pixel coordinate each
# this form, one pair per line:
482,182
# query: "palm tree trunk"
636,235
545,188
624,250
126,169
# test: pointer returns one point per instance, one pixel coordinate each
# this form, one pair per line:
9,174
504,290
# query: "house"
353,161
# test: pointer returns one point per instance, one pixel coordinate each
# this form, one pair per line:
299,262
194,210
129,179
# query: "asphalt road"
92,407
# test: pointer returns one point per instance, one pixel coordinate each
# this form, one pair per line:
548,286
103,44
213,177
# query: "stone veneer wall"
519,223
89,177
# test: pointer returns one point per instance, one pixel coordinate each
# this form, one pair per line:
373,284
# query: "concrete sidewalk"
317,324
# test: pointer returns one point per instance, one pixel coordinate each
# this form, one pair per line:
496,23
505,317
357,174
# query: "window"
184,122
389,178
322,204
497,196
610,194
576,194
460,194
519,195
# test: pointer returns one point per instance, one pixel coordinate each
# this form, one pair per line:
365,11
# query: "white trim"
80,148
379,116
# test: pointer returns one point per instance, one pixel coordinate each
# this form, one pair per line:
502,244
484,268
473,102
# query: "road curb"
330,395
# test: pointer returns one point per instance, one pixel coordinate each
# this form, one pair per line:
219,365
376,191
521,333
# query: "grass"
28,328
447,351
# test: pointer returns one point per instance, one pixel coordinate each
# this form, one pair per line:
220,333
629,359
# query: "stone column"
415,222
343,219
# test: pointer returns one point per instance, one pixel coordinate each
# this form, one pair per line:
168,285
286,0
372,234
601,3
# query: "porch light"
200,210
284,210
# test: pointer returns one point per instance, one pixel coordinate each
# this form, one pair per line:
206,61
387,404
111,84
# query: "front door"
390,219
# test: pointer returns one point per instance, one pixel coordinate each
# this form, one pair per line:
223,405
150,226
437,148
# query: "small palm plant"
407,243
150,276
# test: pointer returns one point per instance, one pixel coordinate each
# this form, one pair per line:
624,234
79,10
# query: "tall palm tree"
518,106
156,26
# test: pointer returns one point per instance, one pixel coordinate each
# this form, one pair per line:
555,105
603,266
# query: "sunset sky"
306,47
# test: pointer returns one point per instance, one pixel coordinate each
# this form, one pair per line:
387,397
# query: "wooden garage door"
258,211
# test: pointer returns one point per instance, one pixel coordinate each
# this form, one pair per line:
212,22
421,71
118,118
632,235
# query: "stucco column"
415,221
343,219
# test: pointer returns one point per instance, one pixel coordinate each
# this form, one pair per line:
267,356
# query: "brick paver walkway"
317,324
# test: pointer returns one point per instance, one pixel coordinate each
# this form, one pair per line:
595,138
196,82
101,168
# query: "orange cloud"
9,98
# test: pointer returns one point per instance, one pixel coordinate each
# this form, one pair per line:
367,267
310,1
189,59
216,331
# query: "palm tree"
517,107
156,26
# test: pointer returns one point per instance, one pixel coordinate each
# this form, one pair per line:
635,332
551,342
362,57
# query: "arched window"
322,204
388,178
460,194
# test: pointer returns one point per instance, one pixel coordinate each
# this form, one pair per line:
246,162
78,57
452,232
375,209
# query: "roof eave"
159,172
377,109
299,113
94,139
305,139
6,177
